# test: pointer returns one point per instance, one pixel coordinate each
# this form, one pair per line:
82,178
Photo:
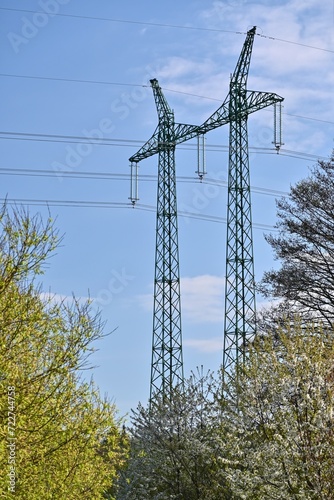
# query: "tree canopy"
58,438
305,248
263,431
278,418
176,447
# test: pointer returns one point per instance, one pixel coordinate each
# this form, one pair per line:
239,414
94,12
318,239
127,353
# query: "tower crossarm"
258,100
150,148
254,101
178,132
181,133
184,132
220,117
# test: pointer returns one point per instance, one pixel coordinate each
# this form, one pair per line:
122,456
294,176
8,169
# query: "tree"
305,247
58,437
176,447
278,418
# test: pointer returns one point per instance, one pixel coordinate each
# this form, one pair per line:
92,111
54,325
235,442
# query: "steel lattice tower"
240,305
167,362
239,326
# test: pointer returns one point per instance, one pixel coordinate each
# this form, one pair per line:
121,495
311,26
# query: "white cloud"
55,298
301,23
302,75
177,67
214,344
202,299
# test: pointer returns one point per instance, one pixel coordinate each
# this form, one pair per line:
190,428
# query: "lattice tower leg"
167,360
240,311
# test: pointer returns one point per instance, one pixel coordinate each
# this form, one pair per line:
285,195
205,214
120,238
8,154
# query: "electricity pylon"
240,305
239,326
167,360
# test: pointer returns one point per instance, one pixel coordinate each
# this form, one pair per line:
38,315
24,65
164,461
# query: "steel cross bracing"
240,306
167,360
239,326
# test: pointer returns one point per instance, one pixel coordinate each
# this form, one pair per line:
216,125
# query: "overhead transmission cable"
24,136
109,205
124,21
126,177
76,139
98,82
164,25
72,80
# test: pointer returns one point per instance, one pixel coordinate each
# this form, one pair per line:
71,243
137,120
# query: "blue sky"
191,48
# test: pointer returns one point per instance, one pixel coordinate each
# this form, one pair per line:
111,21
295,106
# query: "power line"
164,25
255,189
301,155
76,139
126,177
211,218
110,205
126,21
20,136
74,80
98,82
76,175
309,118
295,43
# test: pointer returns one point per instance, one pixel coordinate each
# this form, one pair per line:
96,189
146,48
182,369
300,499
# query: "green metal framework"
239,326
167,362
240,305
167,359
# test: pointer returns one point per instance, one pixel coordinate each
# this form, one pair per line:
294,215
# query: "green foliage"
65,440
